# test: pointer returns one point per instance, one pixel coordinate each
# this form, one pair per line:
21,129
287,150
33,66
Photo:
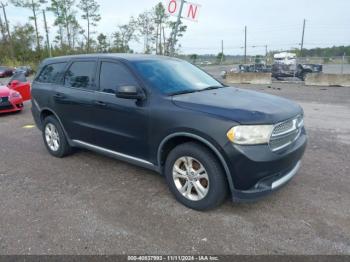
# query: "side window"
51,73
113,75
80,75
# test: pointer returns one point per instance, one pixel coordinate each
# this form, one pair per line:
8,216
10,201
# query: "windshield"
19,76
175,76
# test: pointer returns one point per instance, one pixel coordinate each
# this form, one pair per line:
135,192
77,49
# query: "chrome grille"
283,128
286,133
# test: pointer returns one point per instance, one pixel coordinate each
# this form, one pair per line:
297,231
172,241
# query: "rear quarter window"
51,73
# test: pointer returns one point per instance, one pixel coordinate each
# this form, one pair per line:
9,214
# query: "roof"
127,57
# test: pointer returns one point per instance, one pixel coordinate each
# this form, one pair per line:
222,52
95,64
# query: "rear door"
123,123
50,76
75,100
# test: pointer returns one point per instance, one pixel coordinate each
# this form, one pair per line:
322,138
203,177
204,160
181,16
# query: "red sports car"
13,95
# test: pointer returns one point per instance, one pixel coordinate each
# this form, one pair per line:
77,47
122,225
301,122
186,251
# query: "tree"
55,8
124,35
102,44
76,31
90,9
34,5
65,18
194,58
163,25
161,20
23,42
220,57
146,27
2,29
180,33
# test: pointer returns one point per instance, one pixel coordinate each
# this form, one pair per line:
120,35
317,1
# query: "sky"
275,23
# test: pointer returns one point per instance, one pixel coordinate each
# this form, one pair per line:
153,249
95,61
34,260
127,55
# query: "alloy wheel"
52,137
191,178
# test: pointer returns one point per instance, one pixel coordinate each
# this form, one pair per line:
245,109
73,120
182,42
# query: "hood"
4,91
239,105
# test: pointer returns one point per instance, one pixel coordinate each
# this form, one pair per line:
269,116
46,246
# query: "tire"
214,188
61,148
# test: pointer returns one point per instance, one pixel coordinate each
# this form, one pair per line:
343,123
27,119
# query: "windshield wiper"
183,92
195,90
210,88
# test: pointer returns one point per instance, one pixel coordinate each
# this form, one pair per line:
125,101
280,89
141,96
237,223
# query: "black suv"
208,139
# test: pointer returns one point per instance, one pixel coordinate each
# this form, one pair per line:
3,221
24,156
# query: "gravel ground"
91,204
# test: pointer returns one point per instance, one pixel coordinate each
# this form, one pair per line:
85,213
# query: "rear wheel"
54,138
195,177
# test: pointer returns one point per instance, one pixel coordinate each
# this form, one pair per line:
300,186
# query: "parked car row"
6,71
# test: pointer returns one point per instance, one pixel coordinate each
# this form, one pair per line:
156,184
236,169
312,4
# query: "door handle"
59,95
100,103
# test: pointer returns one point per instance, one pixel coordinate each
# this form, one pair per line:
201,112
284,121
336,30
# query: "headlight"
250,135
15,95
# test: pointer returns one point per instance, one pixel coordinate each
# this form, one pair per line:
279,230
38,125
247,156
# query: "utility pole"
47,35
2,29
160,37
245,45
36,27
266,54
8,29
177,28
145,47
157,38
164,44
302,39
342,63
222,51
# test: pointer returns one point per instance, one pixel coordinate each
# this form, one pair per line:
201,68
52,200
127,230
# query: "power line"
245,44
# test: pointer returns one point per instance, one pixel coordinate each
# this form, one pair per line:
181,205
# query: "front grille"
283,128
4,99
286,133
5,104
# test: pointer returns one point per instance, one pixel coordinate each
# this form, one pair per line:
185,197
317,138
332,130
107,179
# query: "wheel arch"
172,140
45,112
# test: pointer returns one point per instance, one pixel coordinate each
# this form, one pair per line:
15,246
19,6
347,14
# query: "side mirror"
129,92
14,83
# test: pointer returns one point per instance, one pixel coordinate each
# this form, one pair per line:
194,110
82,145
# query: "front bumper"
257,171
266,186
12,105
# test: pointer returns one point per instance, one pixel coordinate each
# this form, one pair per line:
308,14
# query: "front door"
122,123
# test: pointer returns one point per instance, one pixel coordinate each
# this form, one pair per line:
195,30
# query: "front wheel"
195,176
